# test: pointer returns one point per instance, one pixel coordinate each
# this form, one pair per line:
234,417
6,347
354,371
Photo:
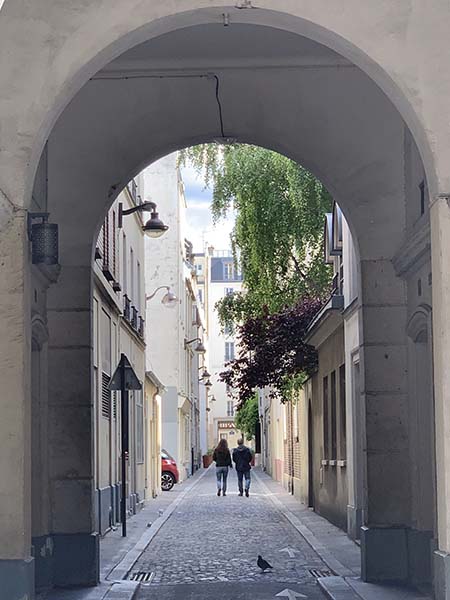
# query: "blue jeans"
222,474
241,475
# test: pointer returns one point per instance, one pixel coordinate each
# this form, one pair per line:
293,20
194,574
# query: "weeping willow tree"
277,240
277,243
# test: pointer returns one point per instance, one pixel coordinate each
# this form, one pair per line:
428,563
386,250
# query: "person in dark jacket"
242,458
222,458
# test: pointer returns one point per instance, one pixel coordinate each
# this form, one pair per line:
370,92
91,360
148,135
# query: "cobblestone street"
209,546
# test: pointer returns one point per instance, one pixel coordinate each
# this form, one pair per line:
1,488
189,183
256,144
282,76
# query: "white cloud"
200,228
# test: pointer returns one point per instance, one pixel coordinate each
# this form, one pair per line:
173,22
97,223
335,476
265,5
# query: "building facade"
174,332
118,321
219,277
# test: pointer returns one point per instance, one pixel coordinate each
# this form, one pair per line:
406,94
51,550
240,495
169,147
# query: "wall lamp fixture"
205,374
169,299
44,239
199,348
154,227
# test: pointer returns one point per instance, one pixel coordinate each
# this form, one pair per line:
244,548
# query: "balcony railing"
126,308
141,329
134,318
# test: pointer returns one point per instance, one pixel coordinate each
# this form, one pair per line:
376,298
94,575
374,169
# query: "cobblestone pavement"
209,546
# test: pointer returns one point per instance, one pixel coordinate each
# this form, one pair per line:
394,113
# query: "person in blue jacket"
242,457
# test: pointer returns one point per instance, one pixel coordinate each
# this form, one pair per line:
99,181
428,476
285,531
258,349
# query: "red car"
169,472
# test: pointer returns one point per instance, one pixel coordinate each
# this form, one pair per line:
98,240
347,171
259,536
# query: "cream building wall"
118,328
222,345
168,329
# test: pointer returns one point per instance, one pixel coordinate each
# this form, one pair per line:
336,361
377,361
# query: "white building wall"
175,363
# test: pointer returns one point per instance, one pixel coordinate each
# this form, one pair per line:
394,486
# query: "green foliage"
278,235
247,417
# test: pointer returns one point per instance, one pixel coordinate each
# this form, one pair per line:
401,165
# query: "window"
230,408
138,282
223,436
199,268
342,415
229,291
200,296
333,416
106,397
132,283
326,440
295,421
105,353
124,263
114,246
228,270
229,351
139,428
228,329
422,197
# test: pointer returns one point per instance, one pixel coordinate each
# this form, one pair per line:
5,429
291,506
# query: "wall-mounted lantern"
154,227
44,239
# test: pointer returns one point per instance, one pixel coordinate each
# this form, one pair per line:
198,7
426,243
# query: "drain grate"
141,576
318,573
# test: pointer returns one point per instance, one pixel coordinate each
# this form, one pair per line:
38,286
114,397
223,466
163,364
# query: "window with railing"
126,308
229,351
228,270
134,317
141,327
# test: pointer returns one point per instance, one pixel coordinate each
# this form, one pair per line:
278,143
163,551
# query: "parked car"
169,471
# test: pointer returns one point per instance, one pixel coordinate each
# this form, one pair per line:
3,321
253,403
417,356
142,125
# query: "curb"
333,563
121,570
337,588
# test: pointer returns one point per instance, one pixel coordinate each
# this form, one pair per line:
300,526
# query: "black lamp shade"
44,238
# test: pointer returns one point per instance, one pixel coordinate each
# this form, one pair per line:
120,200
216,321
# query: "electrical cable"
219,105
180,76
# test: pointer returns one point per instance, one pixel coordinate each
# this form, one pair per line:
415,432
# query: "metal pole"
124,444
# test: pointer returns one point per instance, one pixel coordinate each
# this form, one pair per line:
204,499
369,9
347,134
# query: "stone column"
16,563
440,255
71,422
384,536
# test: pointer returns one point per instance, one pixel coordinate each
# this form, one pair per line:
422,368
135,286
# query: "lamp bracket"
30,218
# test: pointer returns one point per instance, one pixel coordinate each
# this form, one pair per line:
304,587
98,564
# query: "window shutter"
106,396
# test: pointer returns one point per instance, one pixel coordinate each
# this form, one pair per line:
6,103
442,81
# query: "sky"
200,229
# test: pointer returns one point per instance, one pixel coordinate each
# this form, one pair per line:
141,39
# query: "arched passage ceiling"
277,89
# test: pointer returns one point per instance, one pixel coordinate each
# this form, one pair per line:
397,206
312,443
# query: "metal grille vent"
141,576
318,573
106,396
114,405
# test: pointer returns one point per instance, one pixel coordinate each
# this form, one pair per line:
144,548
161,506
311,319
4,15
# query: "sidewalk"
335,548
115,551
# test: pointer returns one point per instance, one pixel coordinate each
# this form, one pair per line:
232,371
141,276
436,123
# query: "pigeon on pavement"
263,564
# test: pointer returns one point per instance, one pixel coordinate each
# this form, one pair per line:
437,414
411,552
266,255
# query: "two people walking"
242,458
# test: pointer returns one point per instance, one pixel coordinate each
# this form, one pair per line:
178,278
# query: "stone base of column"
384,554
354,522
17,579
76,559
43,561
441,575
420,550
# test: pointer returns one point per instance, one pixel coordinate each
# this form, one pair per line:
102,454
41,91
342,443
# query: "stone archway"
93,153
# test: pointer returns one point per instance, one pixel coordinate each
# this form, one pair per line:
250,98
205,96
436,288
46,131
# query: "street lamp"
200,348
169,299
154,227
205,374
208,384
